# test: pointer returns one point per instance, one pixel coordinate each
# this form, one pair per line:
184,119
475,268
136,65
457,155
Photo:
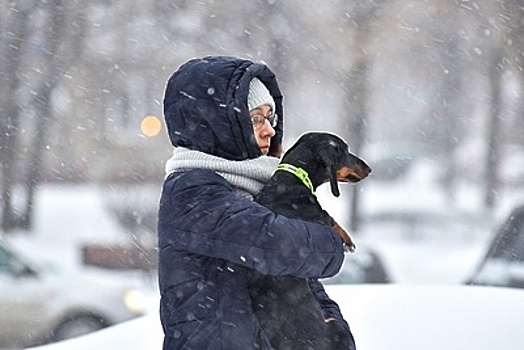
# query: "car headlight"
135,301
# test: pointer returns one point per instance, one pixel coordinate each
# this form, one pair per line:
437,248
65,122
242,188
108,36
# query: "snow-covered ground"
382,317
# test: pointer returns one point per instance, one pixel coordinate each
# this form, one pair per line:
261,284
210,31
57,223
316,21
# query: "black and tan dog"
287,311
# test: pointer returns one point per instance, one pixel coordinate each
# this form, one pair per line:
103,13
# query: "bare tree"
494,132
60,43
515,47
501,30
135,45
17,30
356,86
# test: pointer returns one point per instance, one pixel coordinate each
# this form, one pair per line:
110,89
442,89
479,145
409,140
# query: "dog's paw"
349,247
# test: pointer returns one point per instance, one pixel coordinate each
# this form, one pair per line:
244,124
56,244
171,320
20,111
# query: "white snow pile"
382,317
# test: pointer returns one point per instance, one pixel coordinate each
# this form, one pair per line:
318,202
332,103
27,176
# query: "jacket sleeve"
200,213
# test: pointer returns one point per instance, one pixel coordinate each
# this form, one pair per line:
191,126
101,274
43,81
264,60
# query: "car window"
512,251
6,260
10,263
508,244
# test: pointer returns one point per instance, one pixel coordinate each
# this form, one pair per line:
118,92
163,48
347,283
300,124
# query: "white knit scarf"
246,176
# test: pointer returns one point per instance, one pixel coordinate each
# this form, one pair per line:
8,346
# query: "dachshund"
286,309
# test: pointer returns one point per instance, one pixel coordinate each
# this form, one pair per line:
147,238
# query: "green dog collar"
298,172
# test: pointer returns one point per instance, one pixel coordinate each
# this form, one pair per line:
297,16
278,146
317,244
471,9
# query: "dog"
287,311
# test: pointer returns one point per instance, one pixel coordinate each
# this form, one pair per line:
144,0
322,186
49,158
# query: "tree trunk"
356,86
494,137
18,24
56,36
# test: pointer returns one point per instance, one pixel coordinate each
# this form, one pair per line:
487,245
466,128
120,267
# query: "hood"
205,107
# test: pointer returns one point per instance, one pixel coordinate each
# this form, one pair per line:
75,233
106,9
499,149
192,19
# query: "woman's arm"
200,213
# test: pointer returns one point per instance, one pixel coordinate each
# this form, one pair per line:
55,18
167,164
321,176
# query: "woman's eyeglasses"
258,120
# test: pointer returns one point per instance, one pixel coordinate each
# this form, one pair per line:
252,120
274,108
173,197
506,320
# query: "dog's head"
336,161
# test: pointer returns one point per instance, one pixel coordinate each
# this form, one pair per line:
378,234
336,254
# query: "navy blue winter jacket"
209,236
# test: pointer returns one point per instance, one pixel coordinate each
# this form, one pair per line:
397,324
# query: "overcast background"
401,81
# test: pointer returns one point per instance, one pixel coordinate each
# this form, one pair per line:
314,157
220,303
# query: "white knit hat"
259,95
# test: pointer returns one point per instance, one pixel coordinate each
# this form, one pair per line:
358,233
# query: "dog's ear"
334,182
328,158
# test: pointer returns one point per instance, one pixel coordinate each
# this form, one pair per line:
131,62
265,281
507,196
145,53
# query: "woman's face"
262,118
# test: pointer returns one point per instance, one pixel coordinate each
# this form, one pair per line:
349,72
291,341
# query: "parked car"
503,263
39,304
363,266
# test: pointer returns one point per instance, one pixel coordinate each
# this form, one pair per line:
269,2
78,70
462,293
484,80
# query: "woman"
224,118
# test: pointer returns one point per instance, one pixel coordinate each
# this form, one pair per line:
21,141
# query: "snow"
142,333
382,317
431,263
427,308
420,234
433,317
66,217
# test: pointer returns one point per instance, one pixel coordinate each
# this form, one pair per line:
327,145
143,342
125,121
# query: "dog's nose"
368,168
358,165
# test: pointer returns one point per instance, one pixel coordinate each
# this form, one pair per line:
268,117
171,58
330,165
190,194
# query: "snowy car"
39,304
